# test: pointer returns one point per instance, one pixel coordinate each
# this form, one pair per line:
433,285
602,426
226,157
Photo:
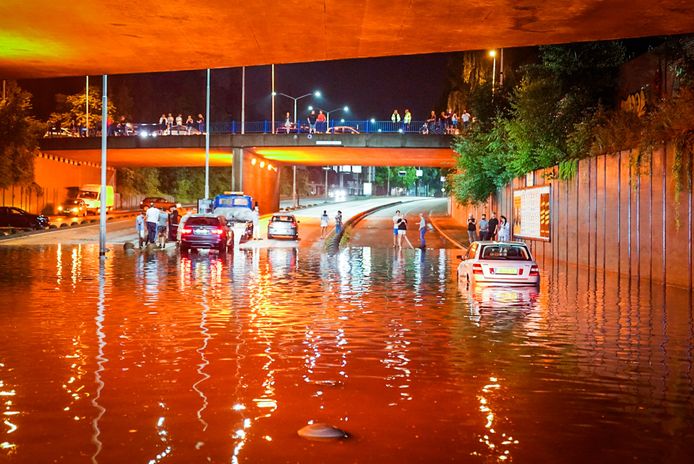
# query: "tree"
72,109
19,134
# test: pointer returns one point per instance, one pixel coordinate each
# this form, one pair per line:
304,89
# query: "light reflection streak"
59,265
76,268
100,360
73,386
263,322
397,348
163,435
9,410
498,444
201,351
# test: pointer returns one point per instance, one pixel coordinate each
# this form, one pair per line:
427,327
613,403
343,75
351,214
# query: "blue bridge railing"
355,126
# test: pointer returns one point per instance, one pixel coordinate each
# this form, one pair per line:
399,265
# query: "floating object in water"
322,431
128,246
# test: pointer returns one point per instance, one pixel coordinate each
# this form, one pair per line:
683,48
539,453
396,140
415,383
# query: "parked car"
159,202
73,207
19,219
498,262
342,130
283,225
206,231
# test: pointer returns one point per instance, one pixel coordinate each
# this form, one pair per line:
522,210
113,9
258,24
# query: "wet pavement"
154,357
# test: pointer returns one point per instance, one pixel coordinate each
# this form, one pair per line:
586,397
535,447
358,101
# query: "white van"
91,195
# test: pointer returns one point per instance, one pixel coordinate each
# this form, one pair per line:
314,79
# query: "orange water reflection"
160,358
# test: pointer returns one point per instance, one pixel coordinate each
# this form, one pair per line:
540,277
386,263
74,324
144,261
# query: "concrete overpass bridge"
254,158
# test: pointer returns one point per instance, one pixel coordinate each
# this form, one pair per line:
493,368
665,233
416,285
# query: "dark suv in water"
206,231
19,219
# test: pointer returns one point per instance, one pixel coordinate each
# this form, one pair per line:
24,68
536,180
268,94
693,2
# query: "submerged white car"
498,262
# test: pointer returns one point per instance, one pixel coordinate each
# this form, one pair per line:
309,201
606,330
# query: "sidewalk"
452,230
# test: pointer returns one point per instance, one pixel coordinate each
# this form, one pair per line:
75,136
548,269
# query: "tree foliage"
73,109
19,134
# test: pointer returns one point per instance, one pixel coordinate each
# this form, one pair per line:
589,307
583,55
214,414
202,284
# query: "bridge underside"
306,156
45,38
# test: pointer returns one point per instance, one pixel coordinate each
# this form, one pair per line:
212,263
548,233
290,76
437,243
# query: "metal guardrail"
354,126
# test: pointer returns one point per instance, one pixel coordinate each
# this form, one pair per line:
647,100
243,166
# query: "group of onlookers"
168,124
492,229
447,122
155,226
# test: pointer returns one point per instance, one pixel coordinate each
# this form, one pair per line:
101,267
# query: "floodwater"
158,358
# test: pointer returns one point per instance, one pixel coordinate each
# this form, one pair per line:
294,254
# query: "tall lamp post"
295,197
296,99
327,113
492,53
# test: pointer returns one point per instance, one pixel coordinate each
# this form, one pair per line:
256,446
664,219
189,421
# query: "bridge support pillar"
237,170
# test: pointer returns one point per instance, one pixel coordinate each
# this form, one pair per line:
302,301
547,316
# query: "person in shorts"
396,220
324,221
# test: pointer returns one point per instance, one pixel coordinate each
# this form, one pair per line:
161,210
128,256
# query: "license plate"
506,270
201,232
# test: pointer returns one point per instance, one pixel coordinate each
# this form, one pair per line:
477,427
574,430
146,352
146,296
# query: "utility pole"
86,105
243,100
207,136
104,133
273,99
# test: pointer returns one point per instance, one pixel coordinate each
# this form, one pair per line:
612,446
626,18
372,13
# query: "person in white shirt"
151,218
256,223
324,221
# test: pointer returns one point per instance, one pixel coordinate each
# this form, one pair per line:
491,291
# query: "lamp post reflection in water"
100,360
7,395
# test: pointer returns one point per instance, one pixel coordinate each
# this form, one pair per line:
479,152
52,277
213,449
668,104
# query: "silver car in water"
283,225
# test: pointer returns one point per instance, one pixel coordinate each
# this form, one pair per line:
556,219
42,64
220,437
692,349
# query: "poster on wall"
531,213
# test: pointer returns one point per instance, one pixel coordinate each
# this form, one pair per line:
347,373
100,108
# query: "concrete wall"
53,175
262,184
609,218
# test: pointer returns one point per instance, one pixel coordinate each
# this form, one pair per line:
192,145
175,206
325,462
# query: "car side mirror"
298,222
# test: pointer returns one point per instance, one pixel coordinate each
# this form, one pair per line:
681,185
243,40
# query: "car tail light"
534,271
185,231
218,231
477,268
520,271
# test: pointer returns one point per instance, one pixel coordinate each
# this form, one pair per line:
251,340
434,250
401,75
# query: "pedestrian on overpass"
324,220
407,120
151,220
422,231
395,119
312,122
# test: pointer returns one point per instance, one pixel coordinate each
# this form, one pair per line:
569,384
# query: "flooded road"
161,358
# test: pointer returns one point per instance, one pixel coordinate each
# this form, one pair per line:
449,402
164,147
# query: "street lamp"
492,53
316,94
327,113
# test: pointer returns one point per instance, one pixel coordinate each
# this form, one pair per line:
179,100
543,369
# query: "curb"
445,235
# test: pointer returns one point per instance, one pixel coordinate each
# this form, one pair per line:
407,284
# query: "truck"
237,208
90,194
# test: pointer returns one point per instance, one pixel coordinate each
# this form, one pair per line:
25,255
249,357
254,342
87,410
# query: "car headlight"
60,208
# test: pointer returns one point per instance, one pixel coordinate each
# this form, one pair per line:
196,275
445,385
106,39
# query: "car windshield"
505,252
234,201
282,218
202,221
88,194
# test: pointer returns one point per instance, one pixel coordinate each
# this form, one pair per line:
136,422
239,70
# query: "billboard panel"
531,213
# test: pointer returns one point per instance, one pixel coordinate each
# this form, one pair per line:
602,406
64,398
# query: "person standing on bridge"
321,126
151,219
311,122
201,123
324,221
395,119
407,120
288,123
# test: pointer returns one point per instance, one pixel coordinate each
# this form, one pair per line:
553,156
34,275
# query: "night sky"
370,87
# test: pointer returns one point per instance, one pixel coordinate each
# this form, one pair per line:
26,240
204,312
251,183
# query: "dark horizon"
370,87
